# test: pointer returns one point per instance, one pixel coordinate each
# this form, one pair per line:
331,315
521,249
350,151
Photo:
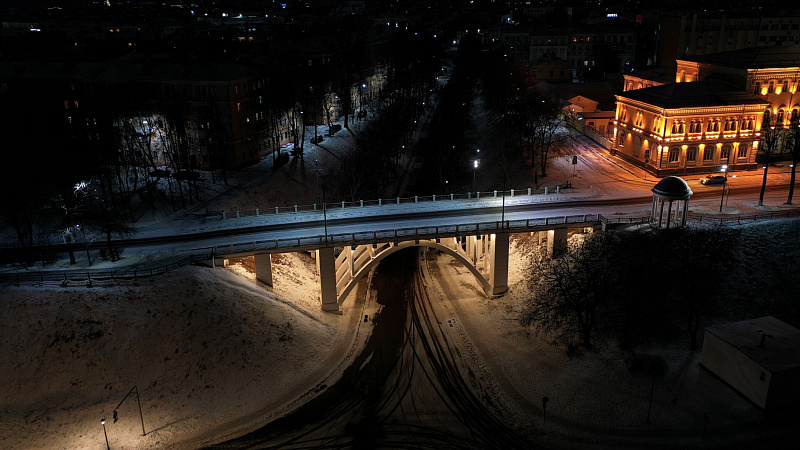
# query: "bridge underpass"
343,260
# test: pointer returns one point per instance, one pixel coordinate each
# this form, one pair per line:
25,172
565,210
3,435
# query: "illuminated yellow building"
771,73
711,114
684,128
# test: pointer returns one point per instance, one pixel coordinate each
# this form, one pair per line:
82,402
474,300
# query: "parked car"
714,179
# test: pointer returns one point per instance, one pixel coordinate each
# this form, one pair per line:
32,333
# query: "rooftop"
777,57
781,349
696,94
657,74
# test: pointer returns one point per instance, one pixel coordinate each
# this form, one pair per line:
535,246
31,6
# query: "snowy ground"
210,352
594,400
216,354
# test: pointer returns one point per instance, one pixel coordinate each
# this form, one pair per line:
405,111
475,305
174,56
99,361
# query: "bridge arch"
373,262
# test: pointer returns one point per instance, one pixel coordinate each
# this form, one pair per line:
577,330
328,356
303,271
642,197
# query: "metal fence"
469,196
74,275
396,235
737,220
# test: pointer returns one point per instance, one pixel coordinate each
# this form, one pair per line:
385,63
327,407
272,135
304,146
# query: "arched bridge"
342,260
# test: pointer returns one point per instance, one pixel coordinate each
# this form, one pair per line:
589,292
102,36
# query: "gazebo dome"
672,188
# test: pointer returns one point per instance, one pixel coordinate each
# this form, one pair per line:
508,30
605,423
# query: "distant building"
205,112
589,50
701,34
551,70
759,358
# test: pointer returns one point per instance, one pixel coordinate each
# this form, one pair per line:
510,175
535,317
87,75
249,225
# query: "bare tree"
793,143
771,138
569,292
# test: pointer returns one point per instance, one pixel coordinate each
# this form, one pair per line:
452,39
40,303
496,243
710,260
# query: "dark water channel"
375,404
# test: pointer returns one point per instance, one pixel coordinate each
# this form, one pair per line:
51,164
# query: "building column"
326,270
556,242
263,268
498,271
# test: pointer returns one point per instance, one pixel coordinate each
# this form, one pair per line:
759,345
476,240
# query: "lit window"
725,153
708,153
742,151
691,154
674,154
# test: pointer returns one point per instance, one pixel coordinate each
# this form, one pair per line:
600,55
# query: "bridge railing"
376,236
735,220
98,275
332,206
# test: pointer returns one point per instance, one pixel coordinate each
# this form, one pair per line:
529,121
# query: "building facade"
685,128
693,35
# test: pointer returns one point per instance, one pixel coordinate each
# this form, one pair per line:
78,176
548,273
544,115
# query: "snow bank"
203,347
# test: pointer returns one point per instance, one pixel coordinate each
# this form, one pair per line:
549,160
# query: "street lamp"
103,422
724,185
324,210
141,417
475,163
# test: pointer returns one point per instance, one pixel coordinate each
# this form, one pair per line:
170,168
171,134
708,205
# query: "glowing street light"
103,422
475,163
725,171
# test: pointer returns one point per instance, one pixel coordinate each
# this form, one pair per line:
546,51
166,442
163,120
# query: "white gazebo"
672,193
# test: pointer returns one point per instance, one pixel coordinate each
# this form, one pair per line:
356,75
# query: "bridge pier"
498,263
557,242
263,263
326,268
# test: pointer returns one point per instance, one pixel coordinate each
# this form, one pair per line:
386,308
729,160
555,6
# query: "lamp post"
475,163
134,388
724,185
103,422
321,185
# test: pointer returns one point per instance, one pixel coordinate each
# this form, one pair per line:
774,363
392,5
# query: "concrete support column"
350,260
556,242
264,268
326,268
498,269
486,250
542,236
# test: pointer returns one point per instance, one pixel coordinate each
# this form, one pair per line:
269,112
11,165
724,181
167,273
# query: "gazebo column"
685,211
653,208
669,214
661,212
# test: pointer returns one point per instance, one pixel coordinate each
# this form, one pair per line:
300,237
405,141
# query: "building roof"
773,57
598,114
672,188
781,350
695,94
658,74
